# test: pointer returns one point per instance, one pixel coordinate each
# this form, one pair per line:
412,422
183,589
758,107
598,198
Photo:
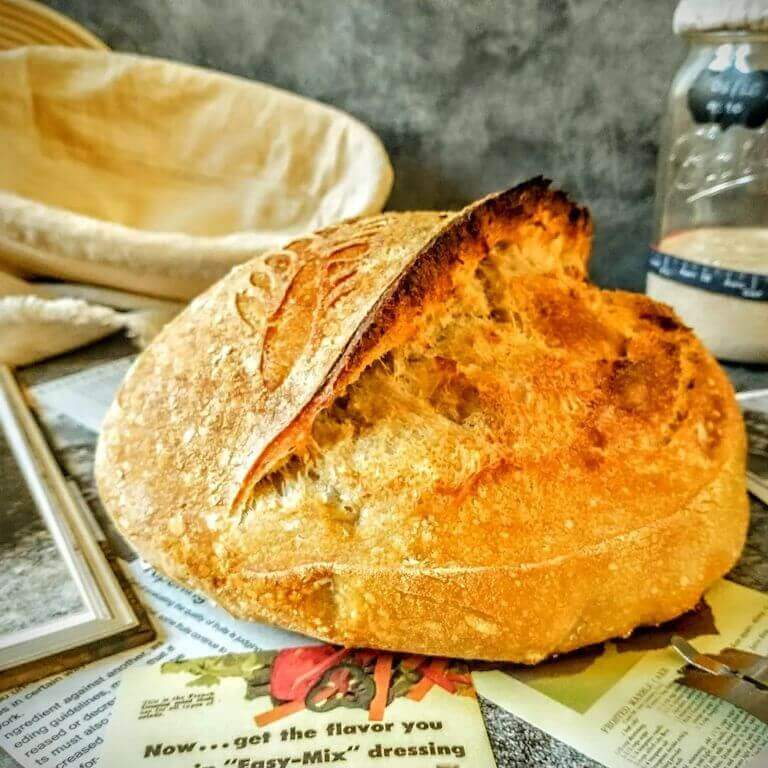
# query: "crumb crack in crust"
429,432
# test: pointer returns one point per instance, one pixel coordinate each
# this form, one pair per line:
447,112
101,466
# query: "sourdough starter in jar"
710,257
718,283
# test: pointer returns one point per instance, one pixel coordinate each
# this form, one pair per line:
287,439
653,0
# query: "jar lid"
711,15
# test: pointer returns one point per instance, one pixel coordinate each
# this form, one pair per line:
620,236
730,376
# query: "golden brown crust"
537,550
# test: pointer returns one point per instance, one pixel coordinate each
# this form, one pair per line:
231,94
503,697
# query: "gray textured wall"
468,96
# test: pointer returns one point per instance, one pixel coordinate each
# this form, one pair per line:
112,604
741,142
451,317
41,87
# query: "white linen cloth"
152,179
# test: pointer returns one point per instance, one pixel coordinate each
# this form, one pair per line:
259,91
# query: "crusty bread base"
415,484
522,613
402,515
521,473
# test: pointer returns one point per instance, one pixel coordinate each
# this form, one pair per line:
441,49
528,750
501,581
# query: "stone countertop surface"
516,744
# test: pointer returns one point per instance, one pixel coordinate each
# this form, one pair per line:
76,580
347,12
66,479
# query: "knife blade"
699,660
748,665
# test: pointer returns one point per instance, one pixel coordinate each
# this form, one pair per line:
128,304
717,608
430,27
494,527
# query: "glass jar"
710,254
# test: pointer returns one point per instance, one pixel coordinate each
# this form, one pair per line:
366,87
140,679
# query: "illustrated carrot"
382,674
436,673
278,713
420,690
433,674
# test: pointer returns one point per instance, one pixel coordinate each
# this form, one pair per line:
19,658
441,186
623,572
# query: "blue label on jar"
742,285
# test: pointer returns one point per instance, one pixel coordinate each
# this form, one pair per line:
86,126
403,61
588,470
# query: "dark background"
468,96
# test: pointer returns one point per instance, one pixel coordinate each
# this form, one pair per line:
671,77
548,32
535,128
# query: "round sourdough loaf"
429,432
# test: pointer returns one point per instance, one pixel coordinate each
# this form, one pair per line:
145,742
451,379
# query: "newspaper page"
760,760
619,704
316,705
84,396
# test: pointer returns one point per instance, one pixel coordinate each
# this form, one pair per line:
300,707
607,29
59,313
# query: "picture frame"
109,617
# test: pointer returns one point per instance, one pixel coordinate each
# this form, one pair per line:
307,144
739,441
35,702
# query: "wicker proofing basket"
156,177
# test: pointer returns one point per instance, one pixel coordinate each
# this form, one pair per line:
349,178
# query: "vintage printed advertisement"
316,705
620,705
